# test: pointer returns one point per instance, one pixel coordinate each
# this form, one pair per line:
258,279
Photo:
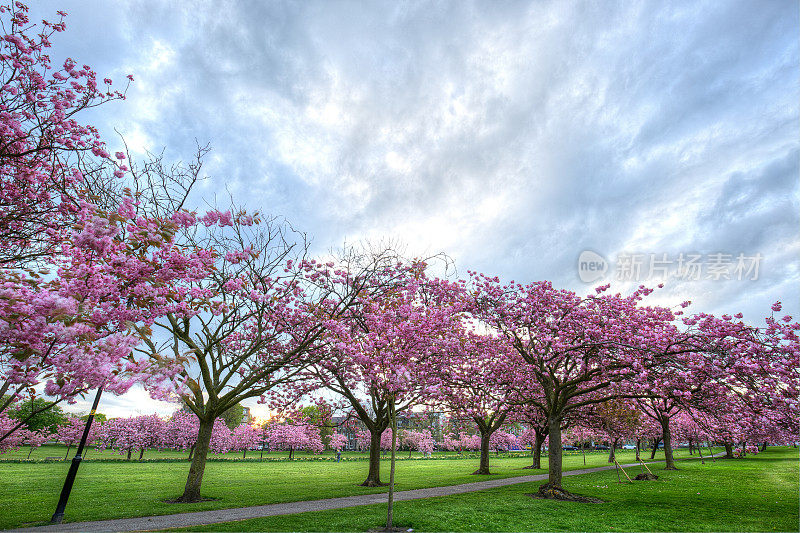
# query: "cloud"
511,135
134,402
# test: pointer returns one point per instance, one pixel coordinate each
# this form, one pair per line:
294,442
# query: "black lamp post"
76,461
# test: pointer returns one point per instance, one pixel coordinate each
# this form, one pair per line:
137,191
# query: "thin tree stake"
623,471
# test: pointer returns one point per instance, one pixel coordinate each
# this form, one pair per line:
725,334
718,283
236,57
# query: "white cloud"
134,402
512,135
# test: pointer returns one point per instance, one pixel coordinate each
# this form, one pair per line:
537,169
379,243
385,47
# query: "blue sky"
511,135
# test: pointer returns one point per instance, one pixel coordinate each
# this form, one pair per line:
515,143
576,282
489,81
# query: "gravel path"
200,518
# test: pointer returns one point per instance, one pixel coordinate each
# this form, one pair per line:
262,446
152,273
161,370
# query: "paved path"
200,518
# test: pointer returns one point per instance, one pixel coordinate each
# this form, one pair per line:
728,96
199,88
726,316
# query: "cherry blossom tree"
74,331
757,367
180,432
364,439
44,147
34,439
688,429
222,440
503,441
15,438
421,441
728,367
474,386
379,358
255,326
570,350
293,437
246,437
386,350
148,431
662,410
387,437
71,433
338,441
107,433
132,433
462,441
86,249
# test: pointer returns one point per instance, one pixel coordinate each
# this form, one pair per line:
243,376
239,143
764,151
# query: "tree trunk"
655,449
141,453
374,475
390,508
67,454
764,447
130,451
553,456
244,453
691,449
666,435
537,452
728,450
291,453
30,452
483,469
191,493
612,456
638,445
191,452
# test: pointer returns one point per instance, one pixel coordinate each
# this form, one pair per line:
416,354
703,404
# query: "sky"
513,136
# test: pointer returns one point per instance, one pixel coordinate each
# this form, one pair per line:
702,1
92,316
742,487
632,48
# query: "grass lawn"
29,491
756,493
90,453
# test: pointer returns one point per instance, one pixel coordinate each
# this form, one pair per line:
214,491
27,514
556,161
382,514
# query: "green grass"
757,493
92,454
59,450
29,491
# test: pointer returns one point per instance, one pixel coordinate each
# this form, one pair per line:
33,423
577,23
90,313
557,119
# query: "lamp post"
76,461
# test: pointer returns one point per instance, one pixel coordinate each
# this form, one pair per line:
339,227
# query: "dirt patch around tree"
547,492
